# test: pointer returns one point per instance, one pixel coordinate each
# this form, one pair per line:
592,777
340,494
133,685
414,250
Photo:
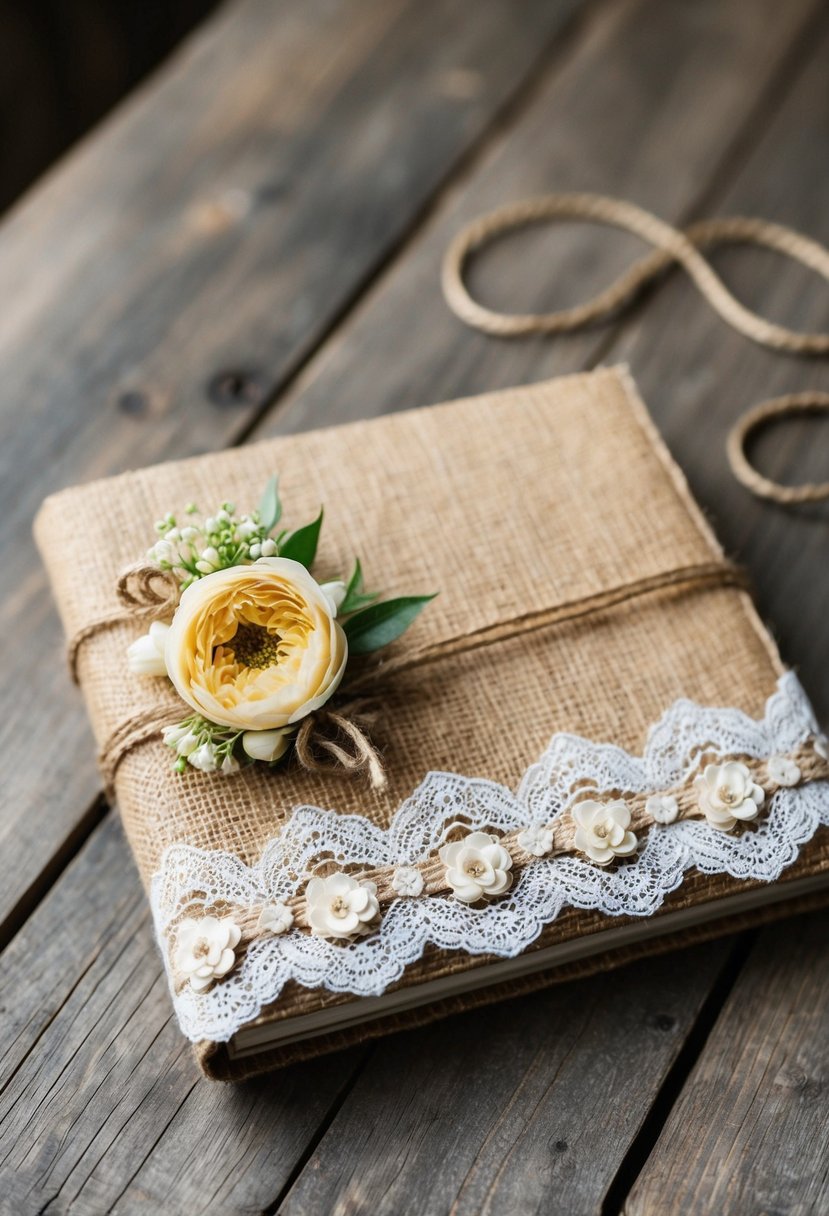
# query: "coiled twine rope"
670,246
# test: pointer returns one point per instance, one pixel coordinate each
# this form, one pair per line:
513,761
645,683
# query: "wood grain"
95,1075
612,121
750,1132
176,270
698,376
526,1107
97,1109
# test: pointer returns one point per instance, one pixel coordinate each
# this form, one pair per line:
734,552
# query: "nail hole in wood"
133,402
236,387
663,1021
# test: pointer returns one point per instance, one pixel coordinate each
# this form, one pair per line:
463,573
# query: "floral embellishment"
727,793
536,840
821,746
603,830
407,881
145,657
476,867
663,808
256,645
205,949
783,771
339,906
275,918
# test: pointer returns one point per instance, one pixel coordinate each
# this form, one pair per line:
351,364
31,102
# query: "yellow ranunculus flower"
256,647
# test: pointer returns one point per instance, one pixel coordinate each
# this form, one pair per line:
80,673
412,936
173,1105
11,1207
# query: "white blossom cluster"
205,746
195,549
210,748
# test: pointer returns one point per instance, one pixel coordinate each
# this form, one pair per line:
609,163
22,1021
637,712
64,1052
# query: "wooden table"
251,246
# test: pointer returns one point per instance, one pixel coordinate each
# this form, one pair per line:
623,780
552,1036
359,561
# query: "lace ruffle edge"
508,925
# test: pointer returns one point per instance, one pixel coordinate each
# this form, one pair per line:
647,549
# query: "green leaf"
382,623
270,508
301,545
355,597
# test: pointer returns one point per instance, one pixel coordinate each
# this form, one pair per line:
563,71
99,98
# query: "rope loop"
756,419
671,245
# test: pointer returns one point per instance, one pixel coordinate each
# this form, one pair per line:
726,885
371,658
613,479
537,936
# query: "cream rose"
256,647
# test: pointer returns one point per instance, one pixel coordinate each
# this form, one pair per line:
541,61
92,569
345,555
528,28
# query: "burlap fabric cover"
507,504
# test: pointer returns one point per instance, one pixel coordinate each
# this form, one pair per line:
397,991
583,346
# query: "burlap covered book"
590,746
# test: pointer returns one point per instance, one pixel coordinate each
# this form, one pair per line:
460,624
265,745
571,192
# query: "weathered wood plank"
667,354
698,376
525,1107
94,1071
625,118
630,34
750,1132
166,280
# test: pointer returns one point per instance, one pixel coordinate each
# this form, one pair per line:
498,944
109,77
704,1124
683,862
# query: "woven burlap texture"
506,504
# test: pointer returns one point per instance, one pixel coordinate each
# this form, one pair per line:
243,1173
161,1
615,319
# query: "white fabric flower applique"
275,918
536,840
339,906
205,949
603,830
407,881
476,867
663,808
727,794
783,771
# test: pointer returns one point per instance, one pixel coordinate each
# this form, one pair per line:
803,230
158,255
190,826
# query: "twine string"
670,246
145,593
336,737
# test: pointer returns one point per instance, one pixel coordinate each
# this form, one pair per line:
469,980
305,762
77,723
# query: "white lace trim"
508,925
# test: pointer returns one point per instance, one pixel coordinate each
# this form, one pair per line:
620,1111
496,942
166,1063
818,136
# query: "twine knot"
338,740
148,592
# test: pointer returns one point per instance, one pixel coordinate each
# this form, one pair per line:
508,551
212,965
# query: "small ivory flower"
267,745
146,654
727,793
476,866
162,552
783,771
821,746
205,947
664,808
339,906
407,881
336,592
181,738
536,840
602,830
204,758
275,918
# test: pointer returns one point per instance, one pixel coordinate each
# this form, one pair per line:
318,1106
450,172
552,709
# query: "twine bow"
337,739
329,740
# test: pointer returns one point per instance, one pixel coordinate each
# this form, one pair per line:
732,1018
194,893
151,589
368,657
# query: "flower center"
602,830
201,948
339,907
727,795
254,646
475,868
